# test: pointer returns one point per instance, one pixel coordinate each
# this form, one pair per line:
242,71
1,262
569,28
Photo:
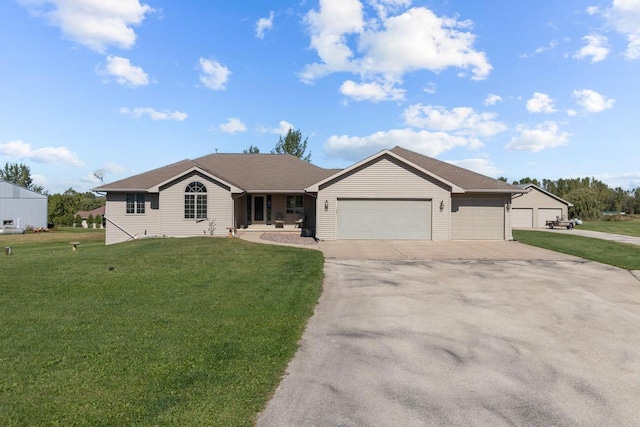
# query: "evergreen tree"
20,174
251,150
293,144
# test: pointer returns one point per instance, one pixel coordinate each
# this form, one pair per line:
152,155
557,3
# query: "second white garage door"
522,217
477,218
384,219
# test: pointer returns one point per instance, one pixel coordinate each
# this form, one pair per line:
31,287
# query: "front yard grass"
607,252
167,332
628,227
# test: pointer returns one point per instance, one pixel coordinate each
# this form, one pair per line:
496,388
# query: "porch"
275,212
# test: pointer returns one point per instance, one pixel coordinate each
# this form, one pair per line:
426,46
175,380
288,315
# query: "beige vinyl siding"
219,209
118,221
522,217
539,202
479,218
384,178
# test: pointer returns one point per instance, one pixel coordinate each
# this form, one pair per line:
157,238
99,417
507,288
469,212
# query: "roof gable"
315,187
460,180
464,178
530,186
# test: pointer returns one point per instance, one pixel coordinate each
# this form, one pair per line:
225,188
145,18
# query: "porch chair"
279,220
300,222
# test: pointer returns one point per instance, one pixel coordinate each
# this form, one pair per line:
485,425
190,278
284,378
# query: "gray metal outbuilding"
20,207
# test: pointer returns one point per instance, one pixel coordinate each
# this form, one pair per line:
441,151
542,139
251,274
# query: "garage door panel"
522,217
384,219
477,219
548,214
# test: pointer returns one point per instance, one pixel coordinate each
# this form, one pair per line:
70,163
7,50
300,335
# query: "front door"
258,208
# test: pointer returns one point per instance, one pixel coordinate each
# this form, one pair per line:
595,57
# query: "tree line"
589,196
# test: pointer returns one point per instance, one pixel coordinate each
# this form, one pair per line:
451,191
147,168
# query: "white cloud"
282,129
571,112
624,16
482,166
597,48
125,73
460,120
95,24
374,92
552,45
543,136
354,148
213,74
627,180
592,10
48,155
388,46
492,99
264,24
113,167
592,101
233,125
540,103
154,114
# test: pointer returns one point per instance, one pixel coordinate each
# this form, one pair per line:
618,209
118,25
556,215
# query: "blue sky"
545,89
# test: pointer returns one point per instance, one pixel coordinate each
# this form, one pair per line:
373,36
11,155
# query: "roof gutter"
498,191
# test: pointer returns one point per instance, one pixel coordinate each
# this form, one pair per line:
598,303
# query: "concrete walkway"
631,240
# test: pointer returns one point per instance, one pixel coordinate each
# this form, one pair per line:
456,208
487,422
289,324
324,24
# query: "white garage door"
547,214
477,219
384,219
521,217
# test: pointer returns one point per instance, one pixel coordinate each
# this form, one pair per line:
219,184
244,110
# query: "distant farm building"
20,207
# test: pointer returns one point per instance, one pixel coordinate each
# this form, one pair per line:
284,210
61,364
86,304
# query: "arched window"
195,201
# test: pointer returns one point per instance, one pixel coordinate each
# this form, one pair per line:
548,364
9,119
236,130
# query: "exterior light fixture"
326,205
441,205
508,205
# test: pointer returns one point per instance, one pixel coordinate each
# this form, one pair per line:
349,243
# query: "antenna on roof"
99,174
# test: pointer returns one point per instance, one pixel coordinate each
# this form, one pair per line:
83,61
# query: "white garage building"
20,207
533,209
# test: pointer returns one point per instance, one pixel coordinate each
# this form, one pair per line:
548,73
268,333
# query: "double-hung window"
135,203
195,201
295,204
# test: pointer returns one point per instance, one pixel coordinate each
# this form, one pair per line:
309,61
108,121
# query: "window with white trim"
295,204
135,203
195,201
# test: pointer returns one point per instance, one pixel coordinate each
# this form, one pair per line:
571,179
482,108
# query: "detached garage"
400,194
536,207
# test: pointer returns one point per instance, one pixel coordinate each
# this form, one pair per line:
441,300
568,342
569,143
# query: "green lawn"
180,332
613,253
629,228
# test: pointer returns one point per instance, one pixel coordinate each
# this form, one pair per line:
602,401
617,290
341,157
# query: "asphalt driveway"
495,340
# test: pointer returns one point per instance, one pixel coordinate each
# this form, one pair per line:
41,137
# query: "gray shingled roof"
149,179
464,178
284,172
250,172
